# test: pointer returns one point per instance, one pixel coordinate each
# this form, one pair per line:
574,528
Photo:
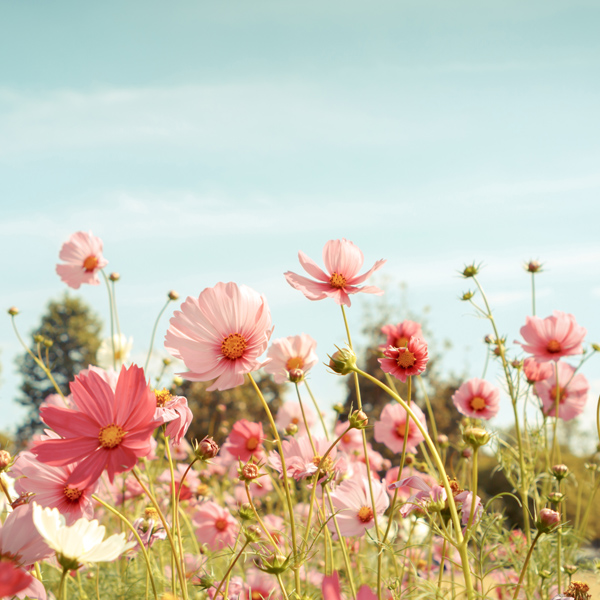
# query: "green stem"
112,319
533,294
524,569
160,314
555,444
474,484
62,588
230,568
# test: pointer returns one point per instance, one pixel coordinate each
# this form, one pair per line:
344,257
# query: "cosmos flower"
290,413
398,335
12,579
553,337
245,441
477,398
174,411
407,361
216,526
82,254
300,459
343,260
537,371
220,335
391,427
122,349
572,393
291,354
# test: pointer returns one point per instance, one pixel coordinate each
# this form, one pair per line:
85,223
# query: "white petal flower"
82,542
122,349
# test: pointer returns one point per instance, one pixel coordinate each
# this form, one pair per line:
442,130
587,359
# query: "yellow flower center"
295,420
90,263
72,494
233,346
406,359
400,429
221,524
257,596
162,397
553,346
327,464
401,342
252,443
294,363
365,514
477,403
111,436
562,394
337,280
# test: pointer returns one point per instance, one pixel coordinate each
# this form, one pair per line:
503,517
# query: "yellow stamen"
553,346
365,514
478,403
162,397
111,436
406,359
294,363
337,280
90,263
233,346
72,494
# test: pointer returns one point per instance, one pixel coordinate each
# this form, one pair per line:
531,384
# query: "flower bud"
167,361
295,375
466,453
555,497
114,277
206,449
442,440
570,569
343,361
339,408
206,581
409,459
488,339
248,472
358,420
470,271
177,381
533,266
253,533
173,295
545,574
221,408
516,364
151,513
5,460
276,565
48,343
38,339
291,429
13,311
467,295
246,512
559,471
476,437
548,520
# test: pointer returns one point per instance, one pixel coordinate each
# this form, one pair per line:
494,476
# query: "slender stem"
62,588
160,314
137,537
559,550
441,573
112,319
230,568
524,569
260,521
305,421
474,484
317,409
555,444
114,299
285,596
598,417
174,511
533,299
429,411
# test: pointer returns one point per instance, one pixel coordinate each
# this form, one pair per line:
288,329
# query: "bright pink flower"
391,427
109,431
391,477
343,260
216,526
82,254
221,334
12,579
173,410
245,441
49,484
290,413
572,393
477,398
552,337
352,503
407,361
537,371
289,354
260,586
300,459
398,335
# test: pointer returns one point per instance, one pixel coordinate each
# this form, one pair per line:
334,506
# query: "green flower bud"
343,361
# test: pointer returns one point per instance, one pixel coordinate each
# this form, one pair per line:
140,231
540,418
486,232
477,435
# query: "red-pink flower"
109,430
216,526
12,580
552,337
477,398
391,427
330,589
398,335
343,260
221,334
352,503
537,371
290,354
82,254
572,393
407,361
245,441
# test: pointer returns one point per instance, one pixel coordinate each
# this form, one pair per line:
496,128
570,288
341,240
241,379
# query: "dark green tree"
73,331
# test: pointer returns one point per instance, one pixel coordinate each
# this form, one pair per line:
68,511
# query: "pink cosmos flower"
398,335
352,503
216,526
330,589
343,260
477,398
260,586
552,337
391,426
427,494
290,413
391,477
572,392
290,354
220,334
300,459
82,254
537,371
351,440
109,431
49,484
407,361
245,441
173,410
12,579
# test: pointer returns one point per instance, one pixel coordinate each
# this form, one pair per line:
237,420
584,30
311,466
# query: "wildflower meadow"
111,498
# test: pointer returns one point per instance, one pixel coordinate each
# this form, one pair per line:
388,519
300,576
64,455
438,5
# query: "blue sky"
211,141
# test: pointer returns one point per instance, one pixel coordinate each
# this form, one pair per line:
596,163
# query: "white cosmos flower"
122,347
81,542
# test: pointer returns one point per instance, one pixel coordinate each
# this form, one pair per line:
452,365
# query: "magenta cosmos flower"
407,361
13,579
245,441
220,334
391,426
109,430
572,393
552,337
292,353
352,503
82,254
477,398
216,526
398,335
343,260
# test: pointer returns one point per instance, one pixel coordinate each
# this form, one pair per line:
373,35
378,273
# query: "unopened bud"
358,420
555,497
221,408
548,520
291,429
248,472
545,574
559,471
343,361
253,533
596,347
571,569
466,453
488,339
167,361
409,459
206,449
13,311
476,437
246,512
206,581
177,381
443,440
516,364
296,375
276,565
38,339
467,295
533,266
591,467
5,460
48,343
339,408
114,277
173,295
470,271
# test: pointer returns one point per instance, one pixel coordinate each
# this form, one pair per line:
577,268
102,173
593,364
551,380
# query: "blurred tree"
74,331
